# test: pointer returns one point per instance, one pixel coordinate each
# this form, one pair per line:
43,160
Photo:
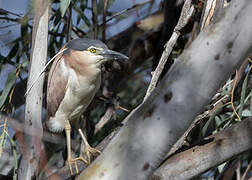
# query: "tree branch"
186,13
28,167
225,145
104,20
94,17
152,129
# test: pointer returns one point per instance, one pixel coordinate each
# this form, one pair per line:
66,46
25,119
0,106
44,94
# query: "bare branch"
127,10
152,129
105,118
69,23
224,145
28,167
212,10
94,17
247,170
186,13
104,20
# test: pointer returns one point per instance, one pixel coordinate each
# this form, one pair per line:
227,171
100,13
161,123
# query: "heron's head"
91,51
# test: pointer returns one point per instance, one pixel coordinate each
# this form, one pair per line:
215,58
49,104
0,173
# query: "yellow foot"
88,149
73,162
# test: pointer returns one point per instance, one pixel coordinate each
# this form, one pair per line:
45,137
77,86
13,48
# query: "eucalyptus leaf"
221,167
218,121
24,29
205,127
25,64
3,12
212,117
82,15
12,53
100,5
2,58
251,100
78,20
83,4
64,4
243,94
56,20
246,113
9,83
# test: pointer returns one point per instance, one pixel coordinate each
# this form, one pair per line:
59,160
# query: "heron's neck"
83,68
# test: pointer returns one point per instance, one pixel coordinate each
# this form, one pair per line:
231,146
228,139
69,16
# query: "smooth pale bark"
30,160
152,129
226,144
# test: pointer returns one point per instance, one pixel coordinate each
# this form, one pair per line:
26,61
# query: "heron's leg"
69,158
88,149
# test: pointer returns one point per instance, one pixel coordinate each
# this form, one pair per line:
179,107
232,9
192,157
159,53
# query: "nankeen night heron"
74,79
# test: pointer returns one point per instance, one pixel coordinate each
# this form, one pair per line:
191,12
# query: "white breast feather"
79,94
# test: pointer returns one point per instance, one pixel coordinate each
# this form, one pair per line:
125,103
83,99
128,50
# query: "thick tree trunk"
152,129
30,160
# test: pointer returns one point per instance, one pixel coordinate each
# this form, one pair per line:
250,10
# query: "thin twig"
75,29
11,19
15,158
246,171
8,26
104,20
110,112
127,10
238,170
9,12
105,118
208,13
18,21
137,14
232,95
69,23
150,6
3,136
186,13
94,17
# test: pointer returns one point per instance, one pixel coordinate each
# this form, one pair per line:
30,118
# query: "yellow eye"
92,50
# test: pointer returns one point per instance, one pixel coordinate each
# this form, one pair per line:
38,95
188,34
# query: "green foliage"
3,12
250,101
243,94
8,85
223,115
100,5
82,15
64,4
14,151
13,52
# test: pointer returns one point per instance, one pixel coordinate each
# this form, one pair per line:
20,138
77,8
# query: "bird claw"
73,161
89,151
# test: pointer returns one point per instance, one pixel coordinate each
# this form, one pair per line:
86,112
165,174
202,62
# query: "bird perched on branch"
74,79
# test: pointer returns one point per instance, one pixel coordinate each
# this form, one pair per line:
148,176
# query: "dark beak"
113,55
